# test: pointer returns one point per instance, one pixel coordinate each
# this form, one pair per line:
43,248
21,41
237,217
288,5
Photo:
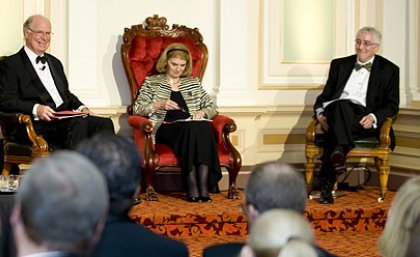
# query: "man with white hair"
60,207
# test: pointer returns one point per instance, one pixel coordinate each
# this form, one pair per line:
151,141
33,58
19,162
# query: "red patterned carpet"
350,227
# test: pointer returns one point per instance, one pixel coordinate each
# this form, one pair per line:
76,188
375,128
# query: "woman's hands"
198,115
166,105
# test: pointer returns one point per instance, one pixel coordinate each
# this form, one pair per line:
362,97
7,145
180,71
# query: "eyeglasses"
364,43
39,33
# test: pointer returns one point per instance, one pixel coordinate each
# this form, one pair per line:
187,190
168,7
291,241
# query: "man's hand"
367,122
323,121
44,112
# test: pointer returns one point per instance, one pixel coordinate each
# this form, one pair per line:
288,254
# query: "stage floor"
349,227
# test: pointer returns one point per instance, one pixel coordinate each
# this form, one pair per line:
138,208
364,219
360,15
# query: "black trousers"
68,133
343,119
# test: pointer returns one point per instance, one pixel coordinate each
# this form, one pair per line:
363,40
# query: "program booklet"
68,114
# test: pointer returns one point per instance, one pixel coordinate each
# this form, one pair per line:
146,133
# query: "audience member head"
175,50
61,205
274,185
403,222
283,233
119,160
37,32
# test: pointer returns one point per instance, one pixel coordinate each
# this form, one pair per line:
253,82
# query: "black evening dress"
193,142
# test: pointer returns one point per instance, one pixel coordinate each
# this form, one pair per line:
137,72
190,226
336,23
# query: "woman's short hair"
175,50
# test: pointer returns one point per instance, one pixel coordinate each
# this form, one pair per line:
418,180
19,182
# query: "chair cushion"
145,52
11,148
361,143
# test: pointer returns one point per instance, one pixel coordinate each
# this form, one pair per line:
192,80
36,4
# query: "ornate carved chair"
140,51
21,144
371,147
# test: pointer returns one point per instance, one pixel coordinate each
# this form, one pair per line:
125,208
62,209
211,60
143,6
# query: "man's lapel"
34,80
343,76
56,76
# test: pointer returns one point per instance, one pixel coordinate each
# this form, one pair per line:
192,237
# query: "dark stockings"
198,187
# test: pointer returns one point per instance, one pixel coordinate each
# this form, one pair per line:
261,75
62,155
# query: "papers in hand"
186,120
68,114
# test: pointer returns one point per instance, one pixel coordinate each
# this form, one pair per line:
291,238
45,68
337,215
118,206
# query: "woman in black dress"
181,110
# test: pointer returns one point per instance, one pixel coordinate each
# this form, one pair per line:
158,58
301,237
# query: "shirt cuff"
34,110
375,121
81,108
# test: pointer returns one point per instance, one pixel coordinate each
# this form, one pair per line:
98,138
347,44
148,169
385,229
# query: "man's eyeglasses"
364,43
39,33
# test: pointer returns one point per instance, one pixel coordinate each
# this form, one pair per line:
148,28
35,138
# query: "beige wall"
270,98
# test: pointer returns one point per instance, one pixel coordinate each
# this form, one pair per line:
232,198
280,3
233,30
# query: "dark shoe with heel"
193,199
326,198
206,199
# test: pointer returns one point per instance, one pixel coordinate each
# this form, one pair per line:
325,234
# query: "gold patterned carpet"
350,227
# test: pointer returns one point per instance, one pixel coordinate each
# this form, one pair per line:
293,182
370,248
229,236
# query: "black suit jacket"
21,88
123,237
382,98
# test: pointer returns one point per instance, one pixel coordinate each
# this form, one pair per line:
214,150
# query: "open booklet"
186,120
68,114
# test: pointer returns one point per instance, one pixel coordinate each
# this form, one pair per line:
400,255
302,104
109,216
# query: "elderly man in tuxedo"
34,83
362,90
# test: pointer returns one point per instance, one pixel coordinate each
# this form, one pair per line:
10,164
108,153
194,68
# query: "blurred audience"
271,185
120,162
401,236
60,208
282,233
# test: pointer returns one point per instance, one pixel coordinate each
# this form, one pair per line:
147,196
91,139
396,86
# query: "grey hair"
276,185
63,199
403,219
377,36
280,232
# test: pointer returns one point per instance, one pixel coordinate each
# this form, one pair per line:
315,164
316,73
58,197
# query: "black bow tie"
367,66
42,59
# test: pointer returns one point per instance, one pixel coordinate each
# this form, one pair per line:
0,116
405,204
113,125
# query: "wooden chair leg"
151,194
7,168
383,169
309,173
233,192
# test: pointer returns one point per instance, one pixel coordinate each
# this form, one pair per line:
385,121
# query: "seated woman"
180,109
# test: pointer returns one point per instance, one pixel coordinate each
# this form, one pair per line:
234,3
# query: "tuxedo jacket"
123,237
21,88
382,97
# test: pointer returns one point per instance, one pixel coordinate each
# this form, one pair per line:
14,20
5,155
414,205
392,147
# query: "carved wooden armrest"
384,137
39,144
311,131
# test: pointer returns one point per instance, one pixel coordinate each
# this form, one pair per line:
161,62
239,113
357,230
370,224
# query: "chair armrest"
222,127
311,131
384,136
39,144
143,138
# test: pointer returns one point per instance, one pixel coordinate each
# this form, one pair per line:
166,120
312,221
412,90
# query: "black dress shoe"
326,198
206,199
135,201
193,199
337,158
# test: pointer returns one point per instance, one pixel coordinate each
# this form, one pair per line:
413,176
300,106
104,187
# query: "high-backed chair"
21,144
377,148
140,51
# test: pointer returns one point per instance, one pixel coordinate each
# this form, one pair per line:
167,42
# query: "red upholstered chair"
140,51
